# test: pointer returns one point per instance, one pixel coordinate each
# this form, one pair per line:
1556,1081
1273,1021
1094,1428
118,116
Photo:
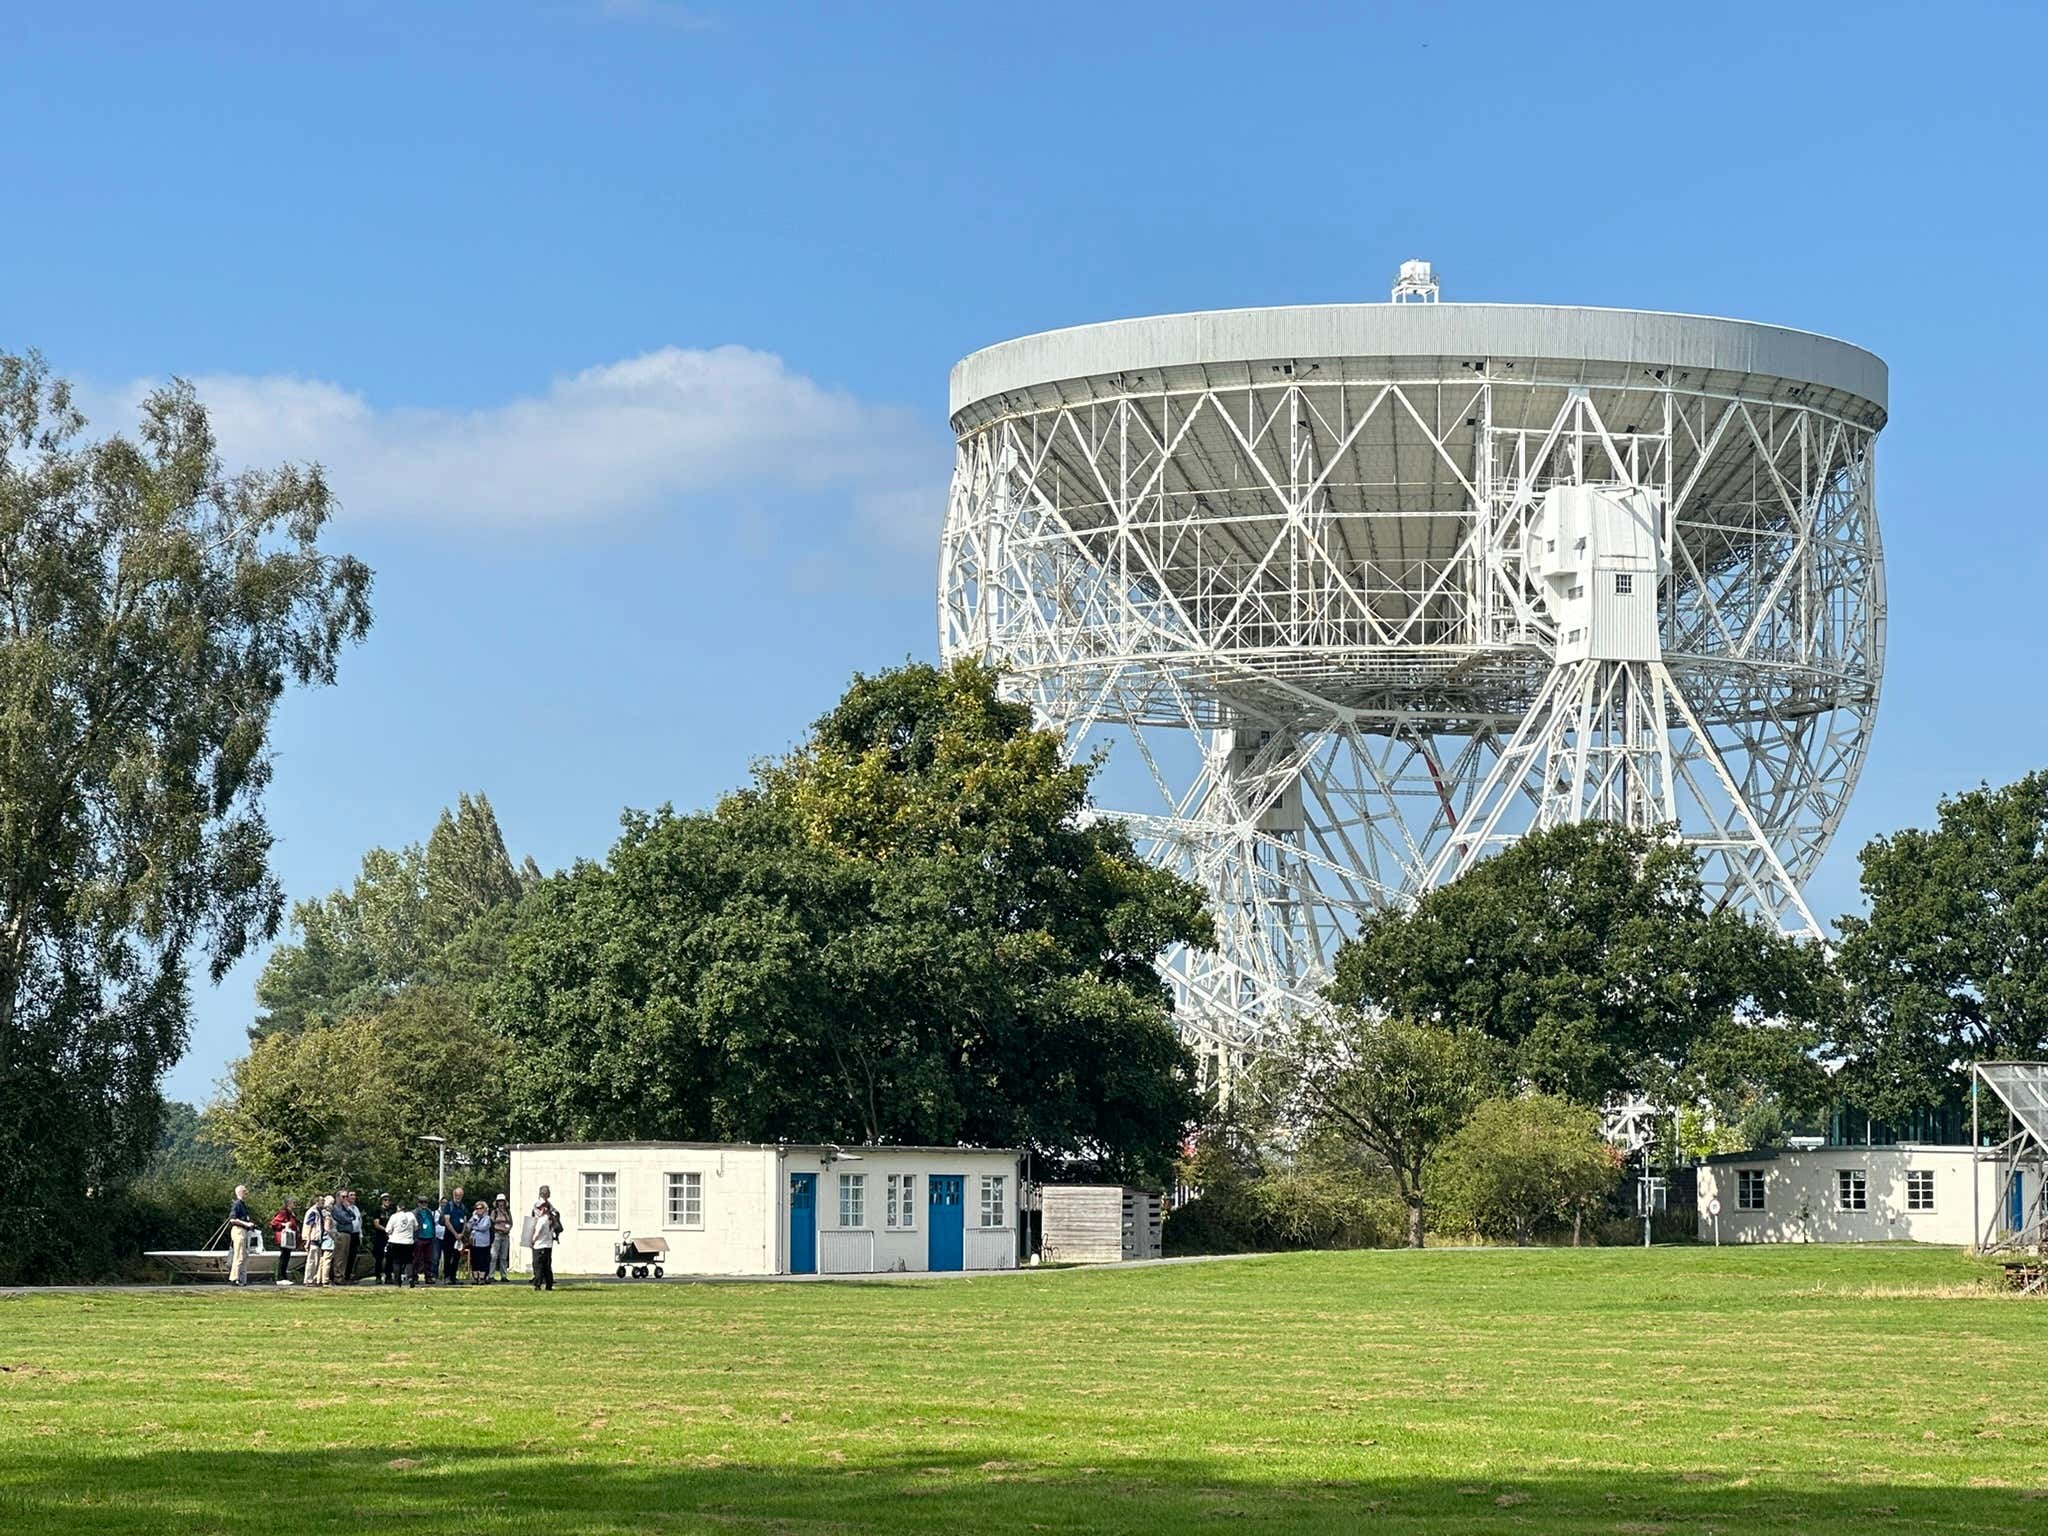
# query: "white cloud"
613,441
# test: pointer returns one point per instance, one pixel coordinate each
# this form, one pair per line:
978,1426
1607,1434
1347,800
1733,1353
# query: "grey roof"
1771,1154
749,1146
1434,331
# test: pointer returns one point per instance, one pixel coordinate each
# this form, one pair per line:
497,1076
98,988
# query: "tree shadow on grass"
65,1489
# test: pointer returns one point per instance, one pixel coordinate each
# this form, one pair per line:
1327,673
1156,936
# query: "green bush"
1520,1166
1248,1204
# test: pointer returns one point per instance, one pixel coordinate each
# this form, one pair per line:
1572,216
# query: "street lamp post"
441,1173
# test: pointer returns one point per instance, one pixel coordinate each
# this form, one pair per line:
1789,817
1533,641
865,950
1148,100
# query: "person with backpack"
284,1233
423,1240
543,1226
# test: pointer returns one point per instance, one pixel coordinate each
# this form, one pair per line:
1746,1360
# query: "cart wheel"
657,1271
622,1271
640,1273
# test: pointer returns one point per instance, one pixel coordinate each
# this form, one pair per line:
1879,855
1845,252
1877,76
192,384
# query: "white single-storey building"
1909,1192
753,1209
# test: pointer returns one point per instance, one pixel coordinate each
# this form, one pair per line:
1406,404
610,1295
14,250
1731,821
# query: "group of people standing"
419,1243
411,1243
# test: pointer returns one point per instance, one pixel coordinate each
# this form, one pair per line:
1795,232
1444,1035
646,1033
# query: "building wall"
741,1199
1802,1200
744,1225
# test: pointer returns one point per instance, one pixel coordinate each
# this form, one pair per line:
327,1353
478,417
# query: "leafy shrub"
1252,1203
1520,1165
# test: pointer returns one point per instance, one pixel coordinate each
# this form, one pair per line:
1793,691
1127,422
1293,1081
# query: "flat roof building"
1908,1192
738,1208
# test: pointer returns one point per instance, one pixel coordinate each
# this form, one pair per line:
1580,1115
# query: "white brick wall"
745,1229
1802,1196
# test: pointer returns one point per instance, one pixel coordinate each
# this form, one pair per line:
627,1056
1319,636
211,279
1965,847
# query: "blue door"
2016,1217
944,1220
803,1223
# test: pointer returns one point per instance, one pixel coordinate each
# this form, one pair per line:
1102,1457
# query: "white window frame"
1747,1179
1852,1189
1920,1190
593,1183
993,1201
689,1183
900,1213
1624,583
856,1186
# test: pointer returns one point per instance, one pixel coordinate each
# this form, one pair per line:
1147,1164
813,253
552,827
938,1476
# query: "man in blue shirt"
454,1213
348,1236
241,1227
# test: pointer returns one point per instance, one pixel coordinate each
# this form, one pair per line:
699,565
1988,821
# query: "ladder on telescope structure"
2019,1211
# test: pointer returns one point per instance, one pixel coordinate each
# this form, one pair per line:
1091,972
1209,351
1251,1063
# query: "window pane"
902,1191
686,1199
853,1199
600,1199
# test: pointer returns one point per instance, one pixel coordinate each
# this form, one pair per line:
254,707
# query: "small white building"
754,1209
1097,1223
1910,1192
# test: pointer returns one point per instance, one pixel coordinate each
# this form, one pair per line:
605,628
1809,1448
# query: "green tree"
908,930
182,1145
1950,964
153,610
1588,952
1387,1086
435,913
1519,1163
345,1102
466,872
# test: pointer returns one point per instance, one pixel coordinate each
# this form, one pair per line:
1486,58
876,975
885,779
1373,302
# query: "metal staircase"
2019,1209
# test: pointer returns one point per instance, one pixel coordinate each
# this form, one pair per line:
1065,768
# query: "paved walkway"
887,1276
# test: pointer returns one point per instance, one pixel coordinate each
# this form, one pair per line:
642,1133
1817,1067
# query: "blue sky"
625,327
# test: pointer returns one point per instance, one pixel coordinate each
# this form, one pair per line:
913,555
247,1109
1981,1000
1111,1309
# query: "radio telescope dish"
1358,594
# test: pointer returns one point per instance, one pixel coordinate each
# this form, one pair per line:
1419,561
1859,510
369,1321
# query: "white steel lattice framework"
1302,568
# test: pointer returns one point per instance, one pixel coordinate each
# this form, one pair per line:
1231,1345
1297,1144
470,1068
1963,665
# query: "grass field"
1608,1390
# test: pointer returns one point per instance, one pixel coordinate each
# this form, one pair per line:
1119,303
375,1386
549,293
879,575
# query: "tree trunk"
1578,1216
1415,1221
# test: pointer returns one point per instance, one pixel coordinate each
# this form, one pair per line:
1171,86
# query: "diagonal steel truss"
1296,611
2014,1223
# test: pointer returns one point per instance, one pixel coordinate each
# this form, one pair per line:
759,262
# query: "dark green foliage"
1951,963
344,1103
1586,951
182,1145
906,931
1383,1087
1249,1199
1520,1165
437,913
153,610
